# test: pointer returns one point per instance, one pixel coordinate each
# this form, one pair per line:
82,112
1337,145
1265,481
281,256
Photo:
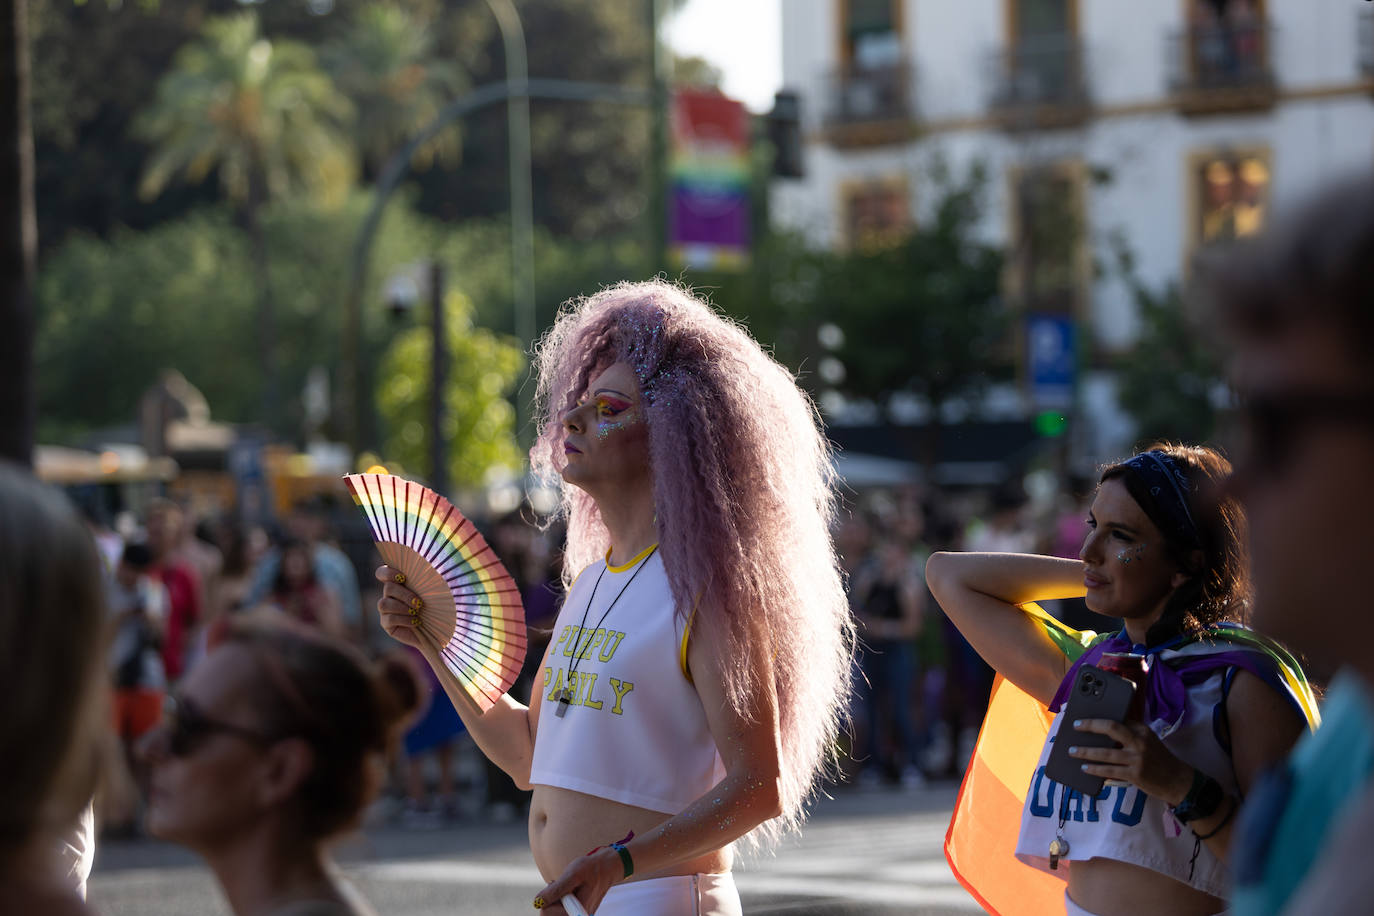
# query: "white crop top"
1125,824
636,731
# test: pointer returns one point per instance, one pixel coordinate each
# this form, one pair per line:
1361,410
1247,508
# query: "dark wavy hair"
1218,586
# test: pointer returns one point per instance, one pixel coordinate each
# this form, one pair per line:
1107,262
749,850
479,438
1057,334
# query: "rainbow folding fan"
472,612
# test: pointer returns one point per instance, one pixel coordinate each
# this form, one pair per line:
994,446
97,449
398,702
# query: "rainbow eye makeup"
611,412
607,406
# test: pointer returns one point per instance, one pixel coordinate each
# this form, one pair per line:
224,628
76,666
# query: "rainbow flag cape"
980,844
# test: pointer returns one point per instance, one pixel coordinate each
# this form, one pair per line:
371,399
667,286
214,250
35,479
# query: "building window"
1231,193
1045,62
1049,231
871,34
877,214
1226,43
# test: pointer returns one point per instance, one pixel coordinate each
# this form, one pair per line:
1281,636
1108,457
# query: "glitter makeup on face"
621,417
1126,555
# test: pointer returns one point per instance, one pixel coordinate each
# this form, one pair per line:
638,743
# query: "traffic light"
1051,423
784,132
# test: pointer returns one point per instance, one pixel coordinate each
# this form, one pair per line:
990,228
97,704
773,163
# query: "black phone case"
1096,694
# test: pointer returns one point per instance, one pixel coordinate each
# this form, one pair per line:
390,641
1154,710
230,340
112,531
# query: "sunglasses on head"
1268,425
188,727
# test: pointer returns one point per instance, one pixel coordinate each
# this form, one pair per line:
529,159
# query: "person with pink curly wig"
699,669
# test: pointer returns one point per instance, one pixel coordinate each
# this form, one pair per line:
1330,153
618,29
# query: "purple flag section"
708,209
704,216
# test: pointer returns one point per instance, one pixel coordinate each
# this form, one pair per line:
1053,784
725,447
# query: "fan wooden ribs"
472,611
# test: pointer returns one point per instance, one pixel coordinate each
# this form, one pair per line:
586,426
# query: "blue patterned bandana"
1169,485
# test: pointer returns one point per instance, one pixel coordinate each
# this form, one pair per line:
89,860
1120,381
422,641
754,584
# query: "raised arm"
980,593
505,733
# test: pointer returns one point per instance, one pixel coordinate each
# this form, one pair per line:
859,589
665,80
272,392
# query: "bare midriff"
1107,887
565,825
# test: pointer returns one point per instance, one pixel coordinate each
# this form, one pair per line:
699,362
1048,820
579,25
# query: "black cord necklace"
567,694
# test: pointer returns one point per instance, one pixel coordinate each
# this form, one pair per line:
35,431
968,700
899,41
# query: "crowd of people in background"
175,579
922,690
173,576
216,630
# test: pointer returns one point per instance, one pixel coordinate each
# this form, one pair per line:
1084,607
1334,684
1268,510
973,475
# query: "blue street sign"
1051,359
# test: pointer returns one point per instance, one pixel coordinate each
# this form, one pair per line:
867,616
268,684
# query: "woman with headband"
1164,553
692,691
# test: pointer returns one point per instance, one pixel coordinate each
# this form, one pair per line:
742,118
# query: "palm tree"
385,63
267,119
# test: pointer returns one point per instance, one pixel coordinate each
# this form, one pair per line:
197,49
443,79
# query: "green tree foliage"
1170,375
260,113
266,118
589,160
924,316
96,64
113,313
479,423
386,62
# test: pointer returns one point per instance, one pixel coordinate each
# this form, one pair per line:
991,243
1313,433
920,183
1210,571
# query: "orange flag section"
981,842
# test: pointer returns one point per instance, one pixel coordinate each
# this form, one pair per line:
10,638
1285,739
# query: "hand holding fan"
470,607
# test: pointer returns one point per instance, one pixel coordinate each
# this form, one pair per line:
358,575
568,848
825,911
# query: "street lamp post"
438,380
403,293
392,173
521,195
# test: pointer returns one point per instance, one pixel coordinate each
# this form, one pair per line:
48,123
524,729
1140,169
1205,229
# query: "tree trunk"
18,238
267,323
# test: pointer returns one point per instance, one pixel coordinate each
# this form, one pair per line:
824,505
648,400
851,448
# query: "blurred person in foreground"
52,680
1299,308
692,693
273,746
1165,553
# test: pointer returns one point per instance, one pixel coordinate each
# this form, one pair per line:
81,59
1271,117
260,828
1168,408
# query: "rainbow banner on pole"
708,204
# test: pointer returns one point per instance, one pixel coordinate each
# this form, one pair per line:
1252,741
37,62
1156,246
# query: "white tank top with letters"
635,731
1125,824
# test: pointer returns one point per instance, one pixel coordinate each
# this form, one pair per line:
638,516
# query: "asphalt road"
876,853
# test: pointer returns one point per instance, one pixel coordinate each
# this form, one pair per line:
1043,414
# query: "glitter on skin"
613,414
1125,555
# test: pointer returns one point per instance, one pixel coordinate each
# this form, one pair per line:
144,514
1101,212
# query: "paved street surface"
875,853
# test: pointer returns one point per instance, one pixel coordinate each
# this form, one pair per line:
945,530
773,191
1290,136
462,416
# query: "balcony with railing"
1039,82
1222,68
870,105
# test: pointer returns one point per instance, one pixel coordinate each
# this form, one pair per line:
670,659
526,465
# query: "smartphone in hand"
1096,694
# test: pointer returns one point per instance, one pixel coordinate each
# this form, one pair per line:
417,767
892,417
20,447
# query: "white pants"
680,895
1073,909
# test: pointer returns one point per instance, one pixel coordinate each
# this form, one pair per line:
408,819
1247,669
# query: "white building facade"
1166,124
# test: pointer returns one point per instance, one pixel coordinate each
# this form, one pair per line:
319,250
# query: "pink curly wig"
743,490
